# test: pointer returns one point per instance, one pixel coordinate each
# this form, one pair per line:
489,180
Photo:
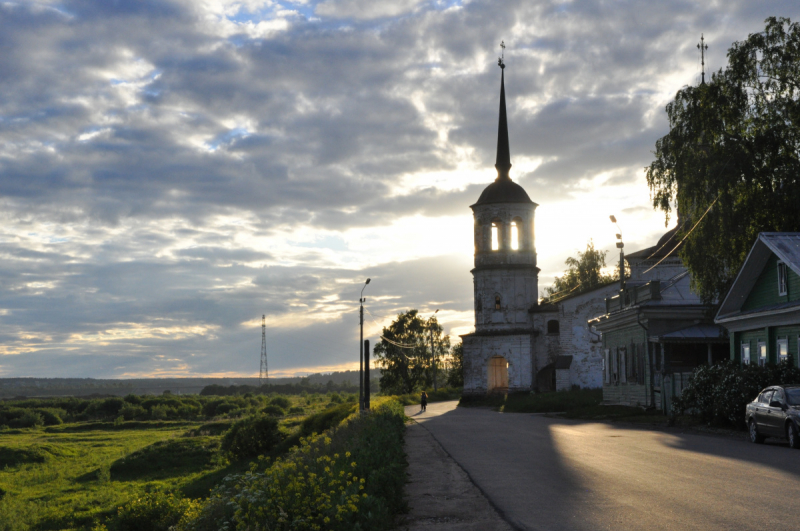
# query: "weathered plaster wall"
575,338
517,289
479,349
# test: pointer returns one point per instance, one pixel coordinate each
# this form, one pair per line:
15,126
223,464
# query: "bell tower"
498,355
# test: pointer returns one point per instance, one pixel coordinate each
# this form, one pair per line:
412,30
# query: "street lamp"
361,300
433,351
620,245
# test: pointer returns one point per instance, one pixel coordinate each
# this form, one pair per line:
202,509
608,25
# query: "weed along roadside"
229,462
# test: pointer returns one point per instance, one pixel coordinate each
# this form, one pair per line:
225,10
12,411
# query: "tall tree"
455,376
403,369
583,273
732,155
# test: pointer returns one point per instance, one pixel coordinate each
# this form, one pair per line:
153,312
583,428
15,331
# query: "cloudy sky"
170,170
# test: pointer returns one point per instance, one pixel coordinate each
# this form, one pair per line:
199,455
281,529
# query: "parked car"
775,413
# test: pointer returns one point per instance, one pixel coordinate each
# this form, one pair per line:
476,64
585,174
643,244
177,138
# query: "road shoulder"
440,495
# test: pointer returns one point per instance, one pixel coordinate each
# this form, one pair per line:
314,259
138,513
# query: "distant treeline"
53,411
304,386
85,387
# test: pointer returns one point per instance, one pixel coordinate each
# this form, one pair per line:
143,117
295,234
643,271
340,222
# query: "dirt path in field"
440,495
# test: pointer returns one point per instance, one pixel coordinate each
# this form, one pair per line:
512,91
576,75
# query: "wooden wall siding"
631,392
765,290
777,332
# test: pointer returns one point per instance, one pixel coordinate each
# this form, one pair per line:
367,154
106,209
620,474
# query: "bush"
281,401
133,412
297,410
719,393
273,411
349,479
326,419
336,398
28,419
251,437
52,416
155,511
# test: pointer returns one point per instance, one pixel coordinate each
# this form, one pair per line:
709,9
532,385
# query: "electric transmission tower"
263,375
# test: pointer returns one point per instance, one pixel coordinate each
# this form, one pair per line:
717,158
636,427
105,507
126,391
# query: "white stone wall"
517,289
516,349
575,338
563,382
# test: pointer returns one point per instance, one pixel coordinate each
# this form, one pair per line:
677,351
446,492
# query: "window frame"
745,345
762,358
778,342
783,278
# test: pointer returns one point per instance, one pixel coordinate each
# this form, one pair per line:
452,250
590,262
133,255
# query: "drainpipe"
649,358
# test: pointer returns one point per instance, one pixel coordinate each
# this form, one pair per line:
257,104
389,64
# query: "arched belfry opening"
498,375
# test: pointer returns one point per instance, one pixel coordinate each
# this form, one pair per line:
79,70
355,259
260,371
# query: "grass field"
75,475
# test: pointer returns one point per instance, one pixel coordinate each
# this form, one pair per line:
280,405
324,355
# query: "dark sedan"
775,413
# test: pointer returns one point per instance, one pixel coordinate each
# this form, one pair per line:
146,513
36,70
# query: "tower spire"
503,162
702,46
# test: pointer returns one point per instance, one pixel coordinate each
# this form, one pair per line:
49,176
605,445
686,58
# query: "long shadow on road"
552,473
516,466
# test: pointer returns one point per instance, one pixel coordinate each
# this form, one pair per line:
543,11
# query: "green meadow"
72,463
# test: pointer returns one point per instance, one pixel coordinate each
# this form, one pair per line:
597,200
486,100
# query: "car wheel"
792,435
755,437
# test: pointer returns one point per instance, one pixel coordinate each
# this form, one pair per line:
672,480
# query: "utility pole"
366,375
433,351
620,246
263,373
361,300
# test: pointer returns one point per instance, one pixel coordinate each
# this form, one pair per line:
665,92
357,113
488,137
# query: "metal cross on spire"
702,46
502,55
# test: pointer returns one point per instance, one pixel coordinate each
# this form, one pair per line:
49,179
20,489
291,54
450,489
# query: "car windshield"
793,396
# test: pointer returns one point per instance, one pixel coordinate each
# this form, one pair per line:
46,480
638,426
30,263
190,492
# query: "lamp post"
620,245
433,351
361,300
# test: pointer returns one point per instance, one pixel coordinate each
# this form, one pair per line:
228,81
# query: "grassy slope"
74,482
70,476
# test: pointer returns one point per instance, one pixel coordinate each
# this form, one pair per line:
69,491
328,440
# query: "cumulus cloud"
169,171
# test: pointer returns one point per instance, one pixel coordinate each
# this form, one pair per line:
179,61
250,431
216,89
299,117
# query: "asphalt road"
551,474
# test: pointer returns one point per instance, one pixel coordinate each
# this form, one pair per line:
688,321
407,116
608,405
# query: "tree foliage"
733,144
583,273
403,370
455,377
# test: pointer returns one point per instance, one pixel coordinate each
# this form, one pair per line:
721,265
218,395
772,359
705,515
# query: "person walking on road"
423,401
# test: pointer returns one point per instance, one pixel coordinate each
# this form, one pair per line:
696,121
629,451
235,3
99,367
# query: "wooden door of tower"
498,375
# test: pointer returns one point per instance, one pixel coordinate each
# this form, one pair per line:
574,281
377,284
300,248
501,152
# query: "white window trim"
783,280
745,358
762,360
778,343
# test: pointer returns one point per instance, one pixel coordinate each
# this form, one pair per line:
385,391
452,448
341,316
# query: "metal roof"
698,332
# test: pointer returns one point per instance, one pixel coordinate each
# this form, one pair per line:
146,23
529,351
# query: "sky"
172,170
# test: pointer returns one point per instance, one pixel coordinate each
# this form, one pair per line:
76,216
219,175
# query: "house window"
497,302
552,327
762,353
781,278
623,369
783,349
746,353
